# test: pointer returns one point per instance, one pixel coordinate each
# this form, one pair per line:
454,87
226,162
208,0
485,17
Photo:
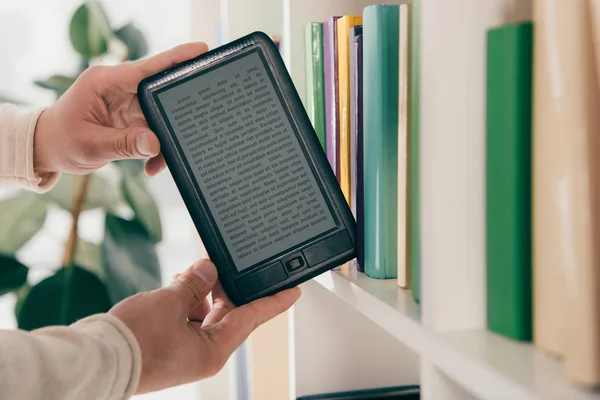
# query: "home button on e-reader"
294,263
262,279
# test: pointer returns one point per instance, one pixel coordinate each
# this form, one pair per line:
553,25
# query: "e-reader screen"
246,159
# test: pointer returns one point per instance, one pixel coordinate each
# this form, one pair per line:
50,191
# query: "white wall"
34,37
241,17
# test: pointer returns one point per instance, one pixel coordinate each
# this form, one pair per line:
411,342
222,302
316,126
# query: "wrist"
43,156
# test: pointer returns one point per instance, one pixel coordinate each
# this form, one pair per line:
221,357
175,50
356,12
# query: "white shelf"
488,365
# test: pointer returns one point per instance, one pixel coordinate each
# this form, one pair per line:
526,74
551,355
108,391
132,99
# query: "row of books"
357,95
542,125
542,181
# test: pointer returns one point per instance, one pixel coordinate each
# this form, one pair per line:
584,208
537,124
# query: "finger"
127,76
220,298
200,312
195,284
240,322
110,144
155,165
172,57
221,306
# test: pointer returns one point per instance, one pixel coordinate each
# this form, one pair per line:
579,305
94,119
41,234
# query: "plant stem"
80,187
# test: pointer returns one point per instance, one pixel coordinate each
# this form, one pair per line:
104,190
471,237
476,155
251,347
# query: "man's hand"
182,337
99,119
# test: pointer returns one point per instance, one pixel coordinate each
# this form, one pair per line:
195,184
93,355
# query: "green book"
315,89
508,155
413,154
380,139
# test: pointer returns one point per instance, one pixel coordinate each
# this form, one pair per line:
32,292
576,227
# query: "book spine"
356,138
315,96
594,10
550,168
343,59
414,232
331,92
508,180
380,139
567,188
403,60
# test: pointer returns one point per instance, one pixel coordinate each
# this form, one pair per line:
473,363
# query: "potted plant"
92,277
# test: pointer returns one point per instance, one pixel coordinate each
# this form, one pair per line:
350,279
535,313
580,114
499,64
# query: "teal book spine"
508,180
414,232
315,89
380,139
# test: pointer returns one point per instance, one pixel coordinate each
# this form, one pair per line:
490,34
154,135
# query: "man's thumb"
134,142
196,283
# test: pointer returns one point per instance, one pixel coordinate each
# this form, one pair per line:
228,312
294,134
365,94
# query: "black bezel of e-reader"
321,253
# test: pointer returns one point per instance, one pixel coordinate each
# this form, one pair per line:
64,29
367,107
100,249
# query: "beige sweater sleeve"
17,131
97,358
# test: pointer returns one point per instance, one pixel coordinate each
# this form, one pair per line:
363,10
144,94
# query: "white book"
566,173
403,80
595,14
551,173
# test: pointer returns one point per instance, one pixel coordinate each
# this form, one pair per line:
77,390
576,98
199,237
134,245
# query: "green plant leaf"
89,30
129,258
58,83
138,196
70,294
13,274
134,40
99,17
21,217
89,256
84,64
21,294
101,193
133,166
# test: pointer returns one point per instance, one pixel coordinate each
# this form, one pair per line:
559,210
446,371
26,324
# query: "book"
315,94
403,62
567,189
380,139
413,219
356,140
551,167
410,392
343,59
331,92
452,163
277,40
595,21
508,180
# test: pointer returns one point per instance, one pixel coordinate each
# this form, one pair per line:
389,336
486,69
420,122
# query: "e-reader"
250,169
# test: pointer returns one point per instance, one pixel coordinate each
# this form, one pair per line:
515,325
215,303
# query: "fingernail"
143,144
205,270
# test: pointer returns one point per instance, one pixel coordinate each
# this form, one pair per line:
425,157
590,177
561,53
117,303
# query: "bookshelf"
352,332
296,14
488,365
